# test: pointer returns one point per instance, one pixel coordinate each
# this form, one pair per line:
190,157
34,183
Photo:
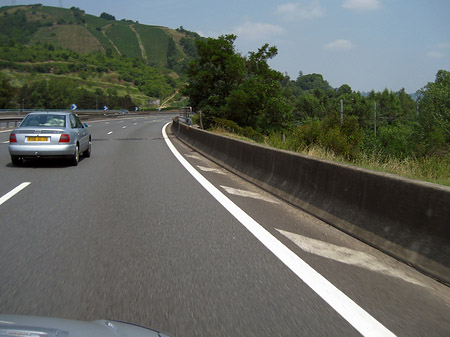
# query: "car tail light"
12,138
65,138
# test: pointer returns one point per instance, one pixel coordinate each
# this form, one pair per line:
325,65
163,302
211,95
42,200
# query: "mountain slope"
40,44
84,33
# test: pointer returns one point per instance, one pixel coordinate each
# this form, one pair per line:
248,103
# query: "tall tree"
434,107
224,84
7,93
212,77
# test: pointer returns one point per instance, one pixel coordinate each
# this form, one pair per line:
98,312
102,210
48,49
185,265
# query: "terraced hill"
40,44
83,33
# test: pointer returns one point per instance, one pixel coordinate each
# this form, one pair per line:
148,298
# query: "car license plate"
37,139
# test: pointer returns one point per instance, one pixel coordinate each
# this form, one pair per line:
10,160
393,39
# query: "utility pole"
342,110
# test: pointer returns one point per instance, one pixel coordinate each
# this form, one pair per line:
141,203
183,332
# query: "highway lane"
130,235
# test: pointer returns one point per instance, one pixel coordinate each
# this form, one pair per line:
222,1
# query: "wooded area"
244,96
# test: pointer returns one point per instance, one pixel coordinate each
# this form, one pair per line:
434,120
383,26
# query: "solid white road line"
13,192
248,194
347,308
346,255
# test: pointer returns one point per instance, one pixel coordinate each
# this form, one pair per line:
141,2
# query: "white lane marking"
110,132
349,310
124,127
194,156
248,194
210,169
6,142
346,255
13,192
106,122
135,123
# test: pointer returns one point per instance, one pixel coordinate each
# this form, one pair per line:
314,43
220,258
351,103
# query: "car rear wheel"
87,153
16,160
76,157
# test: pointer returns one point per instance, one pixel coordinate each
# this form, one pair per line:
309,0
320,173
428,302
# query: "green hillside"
75,30
39,44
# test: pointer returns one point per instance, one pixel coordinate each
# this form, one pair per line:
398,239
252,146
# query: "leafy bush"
233,127
227,125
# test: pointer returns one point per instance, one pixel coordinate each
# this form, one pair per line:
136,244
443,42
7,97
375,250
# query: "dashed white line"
360,319
210,169
110,132
248,194
124,127
13,192
194,156
345,255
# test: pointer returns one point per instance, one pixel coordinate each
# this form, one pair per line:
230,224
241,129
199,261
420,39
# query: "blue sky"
367,44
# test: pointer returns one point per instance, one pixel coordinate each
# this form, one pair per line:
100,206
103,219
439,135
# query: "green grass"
155,42
106,81
56,13
94,21
76,38
124,38
430,169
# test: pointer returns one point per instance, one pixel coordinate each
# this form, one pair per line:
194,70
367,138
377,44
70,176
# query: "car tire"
76,157
87,153
16,160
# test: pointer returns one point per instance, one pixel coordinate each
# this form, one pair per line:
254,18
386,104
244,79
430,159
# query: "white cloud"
339,45
257,30
300,10
362,5
443,45
435,55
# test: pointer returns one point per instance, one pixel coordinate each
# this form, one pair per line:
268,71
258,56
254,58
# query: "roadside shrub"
252,134
228,125
233,127
397,140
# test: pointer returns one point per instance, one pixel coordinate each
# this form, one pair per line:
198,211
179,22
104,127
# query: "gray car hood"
31,326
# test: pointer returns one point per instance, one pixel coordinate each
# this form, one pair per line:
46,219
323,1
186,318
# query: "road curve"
129,234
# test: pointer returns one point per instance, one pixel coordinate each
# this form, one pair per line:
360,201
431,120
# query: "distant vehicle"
14,325
123,111
50,135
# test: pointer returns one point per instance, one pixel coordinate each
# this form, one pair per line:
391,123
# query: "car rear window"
45,120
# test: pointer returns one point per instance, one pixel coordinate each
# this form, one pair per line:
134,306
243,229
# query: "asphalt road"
129,234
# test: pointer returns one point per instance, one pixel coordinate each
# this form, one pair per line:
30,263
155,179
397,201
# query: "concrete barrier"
407,219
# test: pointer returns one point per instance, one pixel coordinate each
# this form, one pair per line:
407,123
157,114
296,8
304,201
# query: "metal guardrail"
11,118
9,122
185,120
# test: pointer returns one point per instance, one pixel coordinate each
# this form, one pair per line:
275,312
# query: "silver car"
50,135
14,325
